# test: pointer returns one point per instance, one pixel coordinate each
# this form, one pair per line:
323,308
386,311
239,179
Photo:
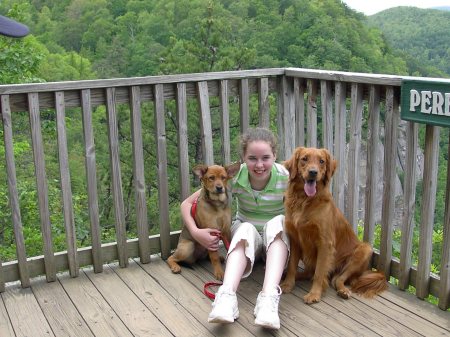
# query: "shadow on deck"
148,300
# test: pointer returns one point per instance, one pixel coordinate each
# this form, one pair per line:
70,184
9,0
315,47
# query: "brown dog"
212,211
320,235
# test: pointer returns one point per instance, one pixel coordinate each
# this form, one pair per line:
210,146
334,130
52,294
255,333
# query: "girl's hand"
208,238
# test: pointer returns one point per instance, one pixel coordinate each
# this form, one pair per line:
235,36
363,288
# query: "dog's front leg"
214,256
324,262
289,281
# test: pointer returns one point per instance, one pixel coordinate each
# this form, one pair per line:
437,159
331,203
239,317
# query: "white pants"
256,245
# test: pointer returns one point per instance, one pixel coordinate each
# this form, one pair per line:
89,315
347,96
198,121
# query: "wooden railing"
344,112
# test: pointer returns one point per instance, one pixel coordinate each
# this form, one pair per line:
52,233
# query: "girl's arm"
207,237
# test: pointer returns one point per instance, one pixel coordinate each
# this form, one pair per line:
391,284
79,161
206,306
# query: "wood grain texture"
13,195
41,185
91,180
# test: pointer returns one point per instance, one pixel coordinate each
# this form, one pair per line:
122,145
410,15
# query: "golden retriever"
212,210
320,235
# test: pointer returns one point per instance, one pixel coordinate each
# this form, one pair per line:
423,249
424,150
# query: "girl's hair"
258,134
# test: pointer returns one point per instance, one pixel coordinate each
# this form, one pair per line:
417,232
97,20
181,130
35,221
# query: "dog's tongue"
310,188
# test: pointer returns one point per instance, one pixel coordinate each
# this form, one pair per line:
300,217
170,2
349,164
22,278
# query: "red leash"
207,285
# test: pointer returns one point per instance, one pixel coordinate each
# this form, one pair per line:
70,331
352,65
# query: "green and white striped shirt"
258,207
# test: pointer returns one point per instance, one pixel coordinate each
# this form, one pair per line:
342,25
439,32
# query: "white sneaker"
225,306
266,309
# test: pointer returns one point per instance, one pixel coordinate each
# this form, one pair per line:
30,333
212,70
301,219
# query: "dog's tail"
370,284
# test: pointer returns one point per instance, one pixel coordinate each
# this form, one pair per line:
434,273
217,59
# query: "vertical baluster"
138,174
340,131
41,184
412,141
225,122
205,123
444,294
183,149
373,139
66,189
327,115
161,160
13,196
389,176
354,155
263,102
91,176
427,210
299,98
116,177
311,114
244,104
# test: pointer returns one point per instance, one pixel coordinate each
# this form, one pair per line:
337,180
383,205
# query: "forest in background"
81,39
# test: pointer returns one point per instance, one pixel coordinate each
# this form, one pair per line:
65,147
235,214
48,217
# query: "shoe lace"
271,301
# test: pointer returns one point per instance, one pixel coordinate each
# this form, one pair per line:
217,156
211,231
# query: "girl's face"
259,159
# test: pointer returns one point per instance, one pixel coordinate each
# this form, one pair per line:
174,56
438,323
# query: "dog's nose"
219,189
313,173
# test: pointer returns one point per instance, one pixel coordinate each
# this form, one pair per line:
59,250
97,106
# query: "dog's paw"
311,298
344,293
175,269
219,274
287,286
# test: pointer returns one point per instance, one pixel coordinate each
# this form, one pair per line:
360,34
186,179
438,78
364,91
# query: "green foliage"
86,39
423,36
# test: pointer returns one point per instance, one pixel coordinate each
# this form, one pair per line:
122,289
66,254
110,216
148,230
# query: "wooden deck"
148,300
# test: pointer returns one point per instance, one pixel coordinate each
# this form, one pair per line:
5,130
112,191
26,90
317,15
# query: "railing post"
412,134
340,127
41,184
138,174
225,122
66,189
311,114
299,99
161,162
354,155
427,210
263,102
444,294
116,177
13,196
286,118
183,155
389,175
372,163
91,177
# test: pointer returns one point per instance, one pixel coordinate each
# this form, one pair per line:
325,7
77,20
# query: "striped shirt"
258,207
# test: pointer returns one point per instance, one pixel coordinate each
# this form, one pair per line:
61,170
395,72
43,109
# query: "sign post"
426,102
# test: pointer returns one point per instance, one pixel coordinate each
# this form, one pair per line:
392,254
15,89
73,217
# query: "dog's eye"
322,161
211,178
304,158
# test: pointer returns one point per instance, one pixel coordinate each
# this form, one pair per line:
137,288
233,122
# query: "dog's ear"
232,169
292,163
331,165
200,170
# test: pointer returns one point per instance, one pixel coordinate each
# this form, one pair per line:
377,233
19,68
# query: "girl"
258,228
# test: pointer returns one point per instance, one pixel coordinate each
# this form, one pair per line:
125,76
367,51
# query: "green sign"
426,102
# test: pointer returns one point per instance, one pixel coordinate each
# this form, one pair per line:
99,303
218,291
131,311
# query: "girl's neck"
258,185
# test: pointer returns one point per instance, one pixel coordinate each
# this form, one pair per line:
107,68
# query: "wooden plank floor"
148,300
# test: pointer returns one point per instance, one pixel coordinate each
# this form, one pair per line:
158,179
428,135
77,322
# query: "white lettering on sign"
430,102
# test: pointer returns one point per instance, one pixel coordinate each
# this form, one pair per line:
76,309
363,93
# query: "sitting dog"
320,235
212,210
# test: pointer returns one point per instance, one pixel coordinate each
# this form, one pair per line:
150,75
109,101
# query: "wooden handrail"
345,112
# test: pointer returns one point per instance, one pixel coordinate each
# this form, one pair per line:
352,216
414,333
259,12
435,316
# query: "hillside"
124,38
423,35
